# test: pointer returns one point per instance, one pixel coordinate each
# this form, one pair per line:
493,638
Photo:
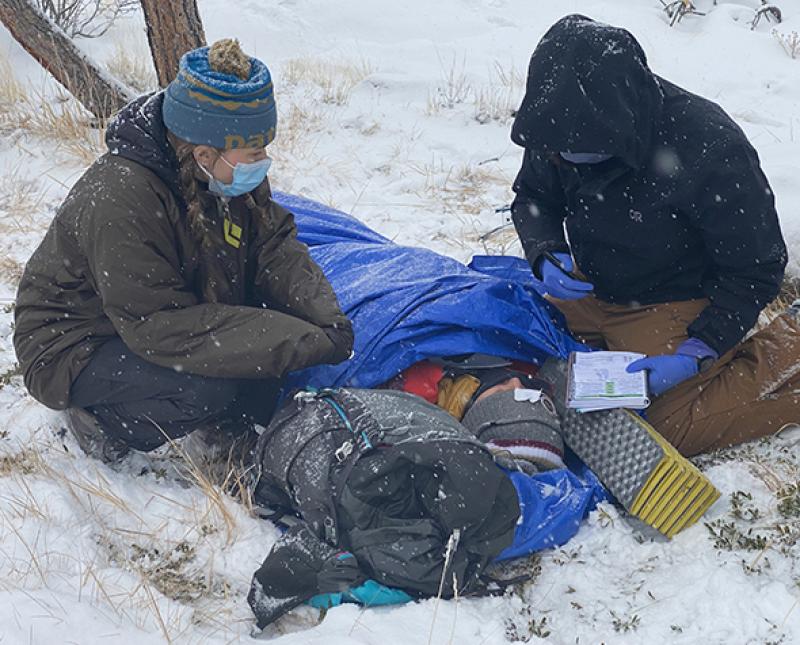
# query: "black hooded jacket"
682,210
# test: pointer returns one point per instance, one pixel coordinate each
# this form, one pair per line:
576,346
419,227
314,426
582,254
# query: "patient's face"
511,384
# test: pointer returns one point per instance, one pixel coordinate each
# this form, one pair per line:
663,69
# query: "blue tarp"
408,304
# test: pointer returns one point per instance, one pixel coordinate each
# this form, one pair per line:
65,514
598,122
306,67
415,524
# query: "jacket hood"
589,89
138,133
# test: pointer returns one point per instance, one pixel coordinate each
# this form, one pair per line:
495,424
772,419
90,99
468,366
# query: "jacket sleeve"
131,253
539,209
733,207
288,280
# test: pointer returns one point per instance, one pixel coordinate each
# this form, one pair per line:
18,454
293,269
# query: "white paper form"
599,380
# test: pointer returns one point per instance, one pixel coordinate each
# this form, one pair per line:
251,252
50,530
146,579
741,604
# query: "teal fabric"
369,594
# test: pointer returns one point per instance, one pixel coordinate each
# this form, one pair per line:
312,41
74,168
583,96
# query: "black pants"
143,404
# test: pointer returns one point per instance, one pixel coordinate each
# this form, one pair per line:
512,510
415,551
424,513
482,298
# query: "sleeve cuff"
696,348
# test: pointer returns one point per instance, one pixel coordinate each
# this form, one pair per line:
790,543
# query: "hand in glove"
667,370
557,282
341,335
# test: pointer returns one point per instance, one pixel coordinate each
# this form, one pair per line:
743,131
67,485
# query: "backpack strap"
354,433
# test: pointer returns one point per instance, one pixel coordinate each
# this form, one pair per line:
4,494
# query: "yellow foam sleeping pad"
676,495
641,469
646,474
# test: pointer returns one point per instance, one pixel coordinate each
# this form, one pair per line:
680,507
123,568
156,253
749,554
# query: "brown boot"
92,439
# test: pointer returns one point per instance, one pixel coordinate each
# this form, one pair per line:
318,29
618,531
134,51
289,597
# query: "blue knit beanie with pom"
216,108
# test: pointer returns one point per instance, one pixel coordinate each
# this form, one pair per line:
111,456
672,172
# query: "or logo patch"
233,233
636,216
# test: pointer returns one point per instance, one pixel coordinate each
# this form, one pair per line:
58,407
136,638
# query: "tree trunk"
98,92
173,28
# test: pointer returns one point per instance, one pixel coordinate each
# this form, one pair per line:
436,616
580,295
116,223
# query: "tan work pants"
750,392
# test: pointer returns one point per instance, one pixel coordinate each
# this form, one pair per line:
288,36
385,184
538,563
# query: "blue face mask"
585,157
246,177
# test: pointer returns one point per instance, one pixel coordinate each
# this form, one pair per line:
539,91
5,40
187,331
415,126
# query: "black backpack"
385,486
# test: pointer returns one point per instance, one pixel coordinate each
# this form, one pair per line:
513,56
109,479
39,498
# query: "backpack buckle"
344,451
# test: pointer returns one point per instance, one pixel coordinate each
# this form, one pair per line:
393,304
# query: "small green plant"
7,375
529,627
789,501
564,556
757,566
172,571
742,507
629,624
728,537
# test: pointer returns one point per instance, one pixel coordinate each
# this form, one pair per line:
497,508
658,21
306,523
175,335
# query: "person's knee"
201,397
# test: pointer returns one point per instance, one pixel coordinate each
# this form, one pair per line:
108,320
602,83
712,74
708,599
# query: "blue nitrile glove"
558,284
667,370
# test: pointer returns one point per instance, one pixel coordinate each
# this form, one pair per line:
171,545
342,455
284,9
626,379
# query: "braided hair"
224,56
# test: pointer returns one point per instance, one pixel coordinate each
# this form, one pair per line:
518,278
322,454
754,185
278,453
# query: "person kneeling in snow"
390,497
170,292
672,226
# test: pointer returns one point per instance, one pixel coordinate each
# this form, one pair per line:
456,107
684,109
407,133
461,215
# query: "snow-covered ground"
398,112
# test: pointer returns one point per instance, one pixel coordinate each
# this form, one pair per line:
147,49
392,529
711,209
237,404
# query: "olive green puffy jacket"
120,259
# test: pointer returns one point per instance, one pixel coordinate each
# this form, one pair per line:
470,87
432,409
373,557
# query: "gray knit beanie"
526,430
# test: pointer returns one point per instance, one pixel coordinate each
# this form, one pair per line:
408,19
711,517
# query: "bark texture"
173,28
52,48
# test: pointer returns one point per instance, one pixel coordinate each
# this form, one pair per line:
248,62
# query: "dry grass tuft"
171,569
25,462
218,479
501,240
132,64
167,543
498,101
453,88
10,269
6,377
297,132
11,90
336,80
68,126
459,190
20,199
790,42
63,123
23,458
495,101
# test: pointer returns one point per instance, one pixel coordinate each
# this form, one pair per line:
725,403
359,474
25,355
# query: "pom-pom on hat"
221,98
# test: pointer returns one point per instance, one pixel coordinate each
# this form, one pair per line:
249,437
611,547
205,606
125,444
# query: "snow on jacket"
395,503
681,211
120,258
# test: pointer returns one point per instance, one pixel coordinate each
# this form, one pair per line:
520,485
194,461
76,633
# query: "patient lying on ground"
382,486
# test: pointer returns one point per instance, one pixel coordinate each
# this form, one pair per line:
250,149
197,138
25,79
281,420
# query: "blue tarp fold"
408,303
